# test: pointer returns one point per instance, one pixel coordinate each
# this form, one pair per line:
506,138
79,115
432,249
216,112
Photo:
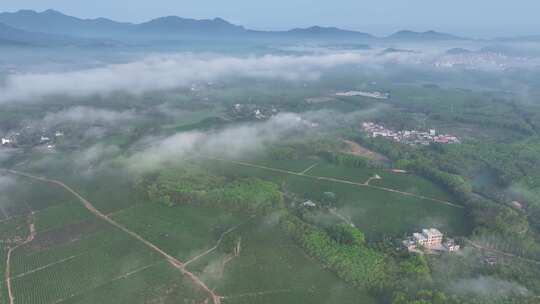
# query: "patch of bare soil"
356,149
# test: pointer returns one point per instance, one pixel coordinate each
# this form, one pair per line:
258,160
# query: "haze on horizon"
480,18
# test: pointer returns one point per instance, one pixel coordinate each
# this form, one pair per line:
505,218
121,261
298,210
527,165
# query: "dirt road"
29,238
481,247
172,260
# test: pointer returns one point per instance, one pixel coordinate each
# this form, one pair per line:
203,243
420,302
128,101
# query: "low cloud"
161,72
230,142
90,159
171,71
87,116
6,182
488,287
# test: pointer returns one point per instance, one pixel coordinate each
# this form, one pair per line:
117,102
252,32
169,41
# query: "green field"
183,231
77,258
273,269
373,211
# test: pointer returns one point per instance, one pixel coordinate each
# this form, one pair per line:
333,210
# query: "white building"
451,245
430,239
309,204
6,141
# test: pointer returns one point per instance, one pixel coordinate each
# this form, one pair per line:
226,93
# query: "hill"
174,27
178,25
13,36
318,31
54,22
422,36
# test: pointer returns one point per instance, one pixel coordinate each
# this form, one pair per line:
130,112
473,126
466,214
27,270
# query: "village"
31,137
251,111
410,137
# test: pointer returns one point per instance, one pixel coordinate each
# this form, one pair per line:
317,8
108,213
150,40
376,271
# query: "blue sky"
480,18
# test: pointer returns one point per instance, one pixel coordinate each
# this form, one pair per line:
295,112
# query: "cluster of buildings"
374,94
28,136
248,111
480,60
430,240
411,137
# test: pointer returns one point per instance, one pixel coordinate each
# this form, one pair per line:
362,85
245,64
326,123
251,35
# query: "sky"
475,18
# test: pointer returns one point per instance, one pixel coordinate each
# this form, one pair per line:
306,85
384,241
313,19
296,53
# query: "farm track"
45,266
88,205
507,254
260,293
335,180
215,246
309,168
29,238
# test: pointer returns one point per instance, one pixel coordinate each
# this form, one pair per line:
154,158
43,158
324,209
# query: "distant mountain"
13,36
174,28
458,51
54,22
178,25
394,50
318,31
423,36
531,38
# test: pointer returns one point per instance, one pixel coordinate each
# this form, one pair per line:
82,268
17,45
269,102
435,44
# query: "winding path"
172,260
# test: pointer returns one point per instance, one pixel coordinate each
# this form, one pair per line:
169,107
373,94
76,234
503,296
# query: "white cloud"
87,115
167,72
229,142
490,287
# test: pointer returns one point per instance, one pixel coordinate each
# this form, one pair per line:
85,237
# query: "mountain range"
53,27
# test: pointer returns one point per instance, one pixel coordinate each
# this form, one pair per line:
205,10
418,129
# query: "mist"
231,142
162,72
488,287
167,71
